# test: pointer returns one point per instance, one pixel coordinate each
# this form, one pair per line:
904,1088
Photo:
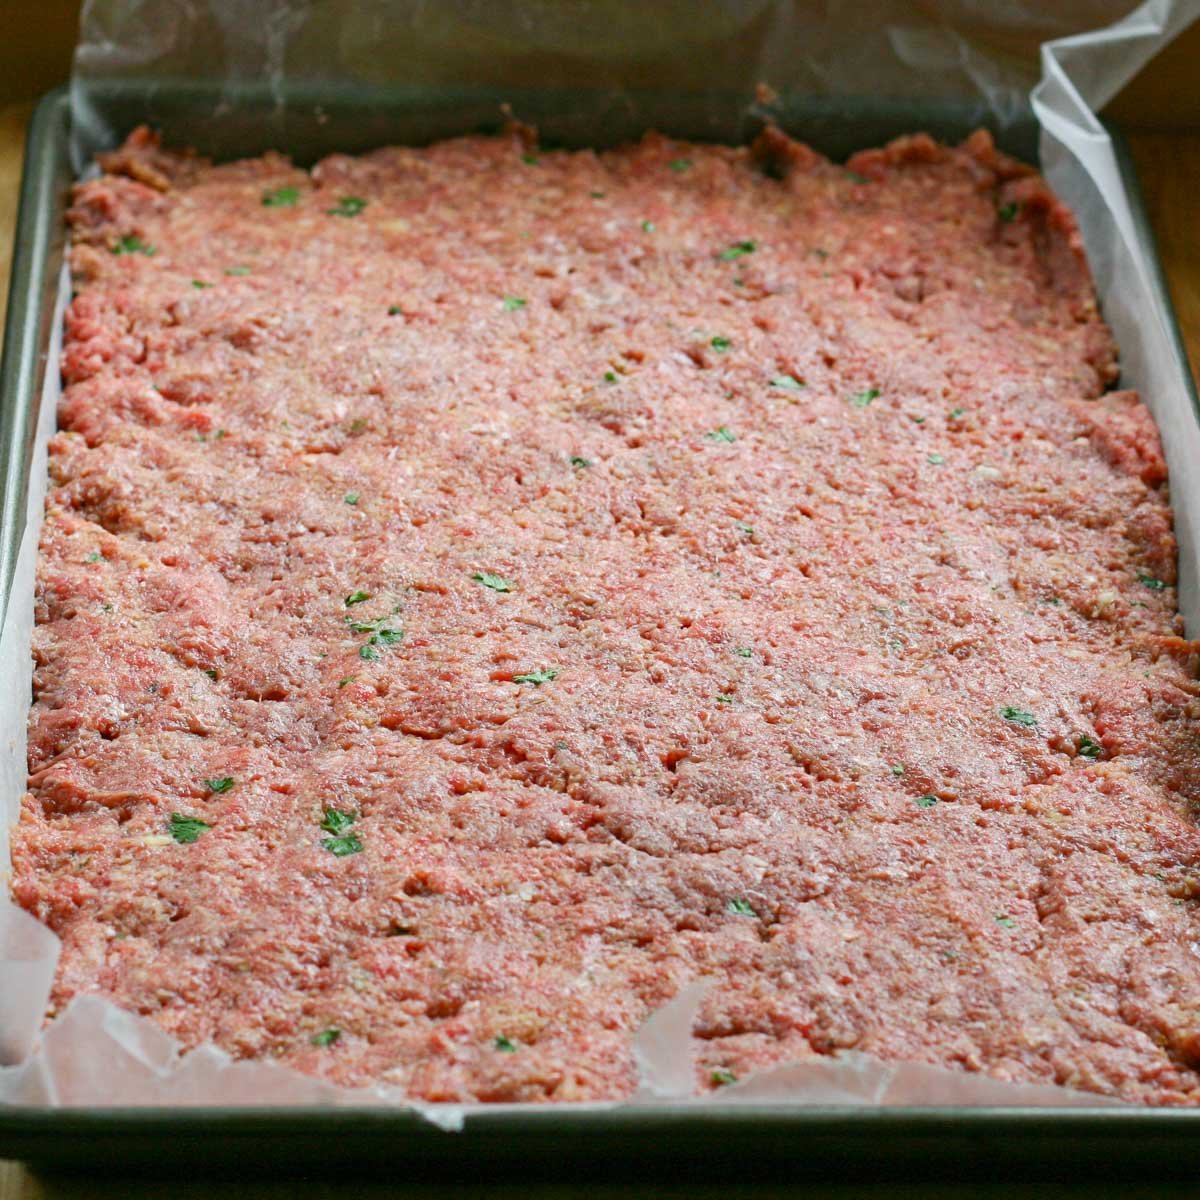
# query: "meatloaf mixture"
485,589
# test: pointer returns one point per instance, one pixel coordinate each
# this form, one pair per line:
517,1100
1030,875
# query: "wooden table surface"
1169,166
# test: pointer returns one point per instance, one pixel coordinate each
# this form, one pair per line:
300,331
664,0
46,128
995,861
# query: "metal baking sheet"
540,1140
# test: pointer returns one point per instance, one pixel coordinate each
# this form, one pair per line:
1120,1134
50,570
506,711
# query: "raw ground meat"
484,589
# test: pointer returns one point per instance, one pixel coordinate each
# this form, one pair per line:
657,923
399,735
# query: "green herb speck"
610,377
790,382
237,270
736,251
326,1037
496,582
512,303
926,801
341,846
1005,921
935,459
218,786
350,498
744,651
131,244
394,310
680,164
855,177
1155,585
723,698
1019,716
648,227
95,556
347,206
1008,212
284,197
530,158
744,527
898,770
504,1044
199,283
1087,748
537,678
186,830
862,399
955,413
720,344
348,679
336,820
576,461
722,433
740,908
356,598
722,1076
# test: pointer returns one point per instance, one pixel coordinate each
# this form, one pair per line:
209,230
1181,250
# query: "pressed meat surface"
484,589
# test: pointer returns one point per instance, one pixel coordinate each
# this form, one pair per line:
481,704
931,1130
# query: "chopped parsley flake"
211,672
898,770
1008,212
935,459
95,556
722,1076
217,786
790,382
576,461
336,820
723,698
496,582
530,158
1155,585
736,251
648,227
505,1045
722,433
341,846
1086,748
326,1037
537,678
596,195
744,527
131,244
237,270
740,908
394,310
720,344
350,498
680,164
610,377
349,679
1005,921
512,303
368,653
357,598
855,177
1018,716
347,206
862,399
199,283
744,651
284,197
185,830
955,413
357,426
926,801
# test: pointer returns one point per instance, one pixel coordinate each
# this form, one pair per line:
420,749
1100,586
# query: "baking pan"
713,1141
